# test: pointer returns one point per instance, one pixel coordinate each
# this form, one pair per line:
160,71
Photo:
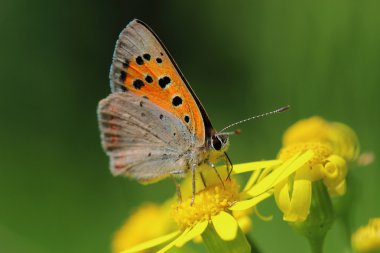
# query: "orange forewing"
148,68
163,97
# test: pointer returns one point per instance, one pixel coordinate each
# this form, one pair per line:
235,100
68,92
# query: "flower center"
321,151
208,202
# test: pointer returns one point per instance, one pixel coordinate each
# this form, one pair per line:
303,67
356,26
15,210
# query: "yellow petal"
330,170
280,173
152,243
300,201
262,216
171,244
281,195
246,167
245,224
313,128
252,179
339,161
245,204
265,172
194,232
345,141
225,225
339,190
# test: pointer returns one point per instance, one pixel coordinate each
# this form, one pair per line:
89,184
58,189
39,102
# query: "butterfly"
152,124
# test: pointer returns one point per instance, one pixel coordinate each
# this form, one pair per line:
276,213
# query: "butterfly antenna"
281,109
235,132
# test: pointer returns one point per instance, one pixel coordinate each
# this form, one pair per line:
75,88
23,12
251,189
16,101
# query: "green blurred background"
241,58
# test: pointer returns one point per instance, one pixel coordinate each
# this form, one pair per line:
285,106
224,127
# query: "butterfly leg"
216,171
178,189
229,166
193,168
203,179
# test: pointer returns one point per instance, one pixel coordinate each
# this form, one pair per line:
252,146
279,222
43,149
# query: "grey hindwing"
142,140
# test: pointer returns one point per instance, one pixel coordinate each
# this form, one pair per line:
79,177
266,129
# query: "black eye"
216,143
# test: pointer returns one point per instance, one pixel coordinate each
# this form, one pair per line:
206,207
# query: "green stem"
347,231
214,243
316,244
254,248
345,208
320,218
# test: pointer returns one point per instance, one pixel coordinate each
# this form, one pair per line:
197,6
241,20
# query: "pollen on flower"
321,151
208,202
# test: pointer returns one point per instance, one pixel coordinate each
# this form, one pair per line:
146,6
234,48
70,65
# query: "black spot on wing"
187,119
158,60
139,60
148,79
164,157
177,101
138,84
123,88
161,116
164,81
146,56
123,75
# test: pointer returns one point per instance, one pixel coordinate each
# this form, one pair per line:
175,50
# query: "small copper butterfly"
152,124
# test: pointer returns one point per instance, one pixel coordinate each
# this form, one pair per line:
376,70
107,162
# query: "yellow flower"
293,196
217,204
134,230
329,146
276,176
319,153
367,238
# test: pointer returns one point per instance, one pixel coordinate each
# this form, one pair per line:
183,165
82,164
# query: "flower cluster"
333,145
313,150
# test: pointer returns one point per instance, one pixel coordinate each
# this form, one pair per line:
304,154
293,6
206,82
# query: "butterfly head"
219,142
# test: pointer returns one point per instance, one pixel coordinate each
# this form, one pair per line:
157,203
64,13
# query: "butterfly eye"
216,143
219,142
